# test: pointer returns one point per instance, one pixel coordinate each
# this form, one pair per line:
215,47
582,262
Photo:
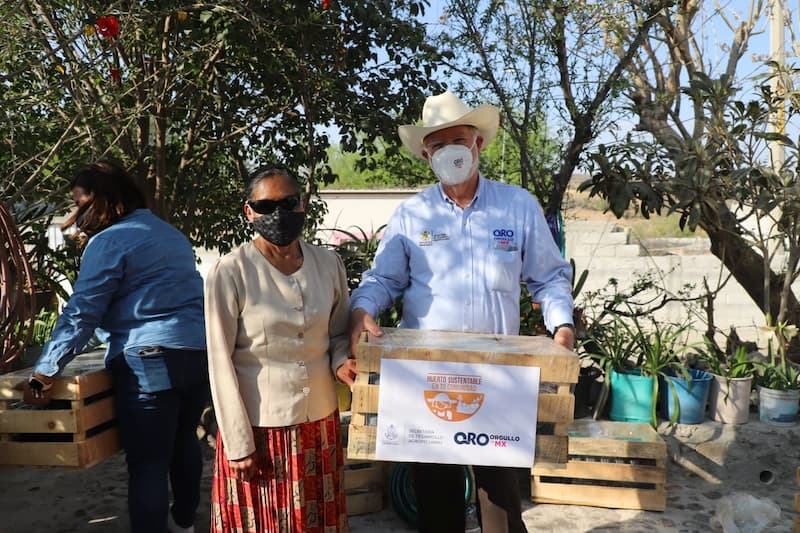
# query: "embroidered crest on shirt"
425,238
503,239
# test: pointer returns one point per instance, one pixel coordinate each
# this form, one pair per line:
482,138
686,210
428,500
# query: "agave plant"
659,357
357,250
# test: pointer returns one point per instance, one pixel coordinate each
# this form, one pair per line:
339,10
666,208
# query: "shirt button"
298,308
306,390
300,335
301,363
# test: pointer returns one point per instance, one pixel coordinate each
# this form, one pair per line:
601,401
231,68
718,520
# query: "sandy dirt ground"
707,464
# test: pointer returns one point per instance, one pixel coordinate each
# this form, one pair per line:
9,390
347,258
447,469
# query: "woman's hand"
347,372
243,469
37,390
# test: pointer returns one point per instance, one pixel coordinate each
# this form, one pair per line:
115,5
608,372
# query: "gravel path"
707,463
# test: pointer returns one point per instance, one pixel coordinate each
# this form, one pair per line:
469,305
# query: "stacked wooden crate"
619,465
77,428
558,370
364,486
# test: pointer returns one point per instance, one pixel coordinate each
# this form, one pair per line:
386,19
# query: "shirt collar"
475,200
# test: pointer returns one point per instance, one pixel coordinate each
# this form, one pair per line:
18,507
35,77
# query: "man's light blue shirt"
139,285
460,269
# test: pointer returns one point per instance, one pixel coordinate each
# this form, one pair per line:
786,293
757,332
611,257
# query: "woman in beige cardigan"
277,316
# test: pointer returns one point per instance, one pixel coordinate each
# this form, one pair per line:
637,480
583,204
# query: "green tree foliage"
551,68
502,160
191,95
385,168
706,155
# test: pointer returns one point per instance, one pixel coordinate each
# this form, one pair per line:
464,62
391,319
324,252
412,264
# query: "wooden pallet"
618,465
364,487
76,430
558,371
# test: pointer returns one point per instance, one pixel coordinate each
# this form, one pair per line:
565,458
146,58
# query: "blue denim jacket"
139,286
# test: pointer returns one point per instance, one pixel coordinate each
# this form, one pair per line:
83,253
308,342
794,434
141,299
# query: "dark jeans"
159,436
439,491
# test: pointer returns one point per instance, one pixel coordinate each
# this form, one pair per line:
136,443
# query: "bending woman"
138,284
277,315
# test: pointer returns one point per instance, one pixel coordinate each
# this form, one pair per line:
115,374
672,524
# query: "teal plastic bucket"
631,397
692,398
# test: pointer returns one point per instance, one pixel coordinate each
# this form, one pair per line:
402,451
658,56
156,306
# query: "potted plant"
659,352
611,349
729,397
638,361
635,361
691,386
778,381
37,333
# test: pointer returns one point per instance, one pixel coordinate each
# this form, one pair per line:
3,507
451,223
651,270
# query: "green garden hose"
401,492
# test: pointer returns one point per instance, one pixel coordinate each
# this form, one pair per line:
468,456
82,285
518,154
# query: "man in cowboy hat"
456,252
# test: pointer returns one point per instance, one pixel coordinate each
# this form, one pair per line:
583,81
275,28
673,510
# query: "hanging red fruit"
108,26
326,4
116,76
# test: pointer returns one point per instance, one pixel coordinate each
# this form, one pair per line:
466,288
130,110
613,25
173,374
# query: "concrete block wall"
607,251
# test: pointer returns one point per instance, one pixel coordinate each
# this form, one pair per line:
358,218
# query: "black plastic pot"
585,391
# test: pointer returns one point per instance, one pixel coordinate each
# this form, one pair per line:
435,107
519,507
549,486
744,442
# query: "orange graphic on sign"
452,406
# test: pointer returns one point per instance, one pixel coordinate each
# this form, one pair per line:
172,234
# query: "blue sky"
715,35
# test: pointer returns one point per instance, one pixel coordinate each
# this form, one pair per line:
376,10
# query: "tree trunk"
747,267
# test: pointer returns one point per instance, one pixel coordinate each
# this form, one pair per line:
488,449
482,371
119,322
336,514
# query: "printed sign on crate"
457,413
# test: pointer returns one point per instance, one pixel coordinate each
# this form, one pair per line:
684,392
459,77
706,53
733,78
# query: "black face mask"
281,227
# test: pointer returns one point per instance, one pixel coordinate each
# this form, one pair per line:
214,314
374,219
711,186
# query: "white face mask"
453,164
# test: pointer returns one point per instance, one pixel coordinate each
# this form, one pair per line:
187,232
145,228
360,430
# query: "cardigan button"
306,390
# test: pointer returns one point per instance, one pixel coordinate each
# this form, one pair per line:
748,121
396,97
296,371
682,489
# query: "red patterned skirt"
298,487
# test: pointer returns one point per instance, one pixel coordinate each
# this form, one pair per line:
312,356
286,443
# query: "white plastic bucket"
778,407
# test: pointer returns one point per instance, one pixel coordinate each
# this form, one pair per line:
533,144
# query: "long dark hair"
115,194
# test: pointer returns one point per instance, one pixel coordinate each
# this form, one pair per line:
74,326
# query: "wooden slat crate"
619,465
558,370
364,487
76,430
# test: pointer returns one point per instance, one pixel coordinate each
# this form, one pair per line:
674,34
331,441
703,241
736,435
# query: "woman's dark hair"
114,195
265,172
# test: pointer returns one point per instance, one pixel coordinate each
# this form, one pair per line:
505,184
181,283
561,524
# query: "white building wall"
356,210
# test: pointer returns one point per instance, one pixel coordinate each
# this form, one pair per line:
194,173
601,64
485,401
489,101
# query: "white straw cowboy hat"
445,111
